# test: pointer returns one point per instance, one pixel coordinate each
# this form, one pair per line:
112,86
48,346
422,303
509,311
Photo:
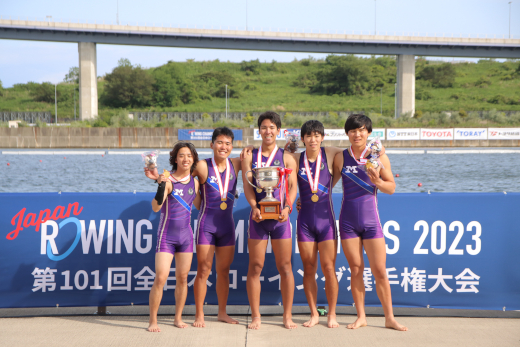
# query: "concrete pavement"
127,327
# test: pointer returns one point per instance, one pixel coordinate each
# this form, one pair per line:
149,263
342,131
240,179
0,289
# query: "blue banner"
203,134
96,249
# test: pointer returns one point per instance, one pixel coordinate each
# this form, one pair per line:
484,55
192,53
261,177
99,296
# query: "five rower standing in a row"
316,171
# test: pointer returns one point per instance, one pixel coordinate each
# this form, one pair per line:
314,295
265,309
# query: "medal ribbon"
362,160
313,182
269,160
174,180
222,188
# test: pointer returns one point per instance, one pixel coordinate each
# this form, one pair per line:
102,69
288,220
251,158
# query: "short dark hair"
175,151
225,131
312,126
356,121
272,116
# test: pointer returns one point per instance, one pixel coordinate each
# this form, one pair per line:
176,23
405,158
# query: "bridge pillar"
405,85
88,95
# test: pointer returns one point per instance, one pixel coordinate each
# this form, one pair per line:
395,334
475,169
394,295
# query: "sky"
24,61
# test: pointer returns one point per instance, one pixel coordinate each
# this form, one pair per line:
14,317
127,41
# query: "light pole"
375,18
510,19
246,15
117,14
74,102
395,93
381,101
226,101
55,105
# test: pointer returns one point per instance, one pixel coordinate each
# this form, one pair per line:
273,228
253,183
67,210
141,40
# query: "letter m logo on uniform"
352,169
179,192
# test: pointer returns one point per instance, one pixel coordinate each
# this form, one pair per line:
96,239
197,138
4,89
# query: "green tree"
440,76
168,85
343,74
72,76
251,67
45,92
128,86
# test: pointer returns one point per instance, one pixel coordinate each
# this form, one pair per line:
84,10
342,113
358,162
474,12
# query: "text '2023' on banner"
450,250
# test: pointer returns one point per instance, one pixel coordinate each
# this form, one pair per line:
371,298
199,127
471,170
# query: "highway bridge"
404,46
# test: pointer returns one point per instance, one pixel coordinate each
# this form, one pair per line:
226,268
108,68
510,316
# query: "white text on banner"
470,134
437,134
403,134
503,133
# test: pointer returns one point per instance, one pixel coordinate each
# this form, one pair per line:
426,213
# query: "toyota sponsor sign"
437,134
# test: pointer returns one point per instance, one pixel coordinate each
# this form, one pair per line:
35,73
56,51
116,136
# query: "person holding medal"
176,194
359,223
215,234
260,230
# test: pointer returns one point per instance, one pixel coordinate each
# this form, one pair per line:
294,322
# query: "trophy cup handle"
247,179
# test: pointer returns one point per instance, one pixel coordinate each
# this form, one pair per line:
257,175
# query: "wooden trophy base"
270,209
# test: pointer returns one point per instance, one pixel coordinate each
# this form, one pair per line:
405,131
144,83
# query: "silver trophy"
268,179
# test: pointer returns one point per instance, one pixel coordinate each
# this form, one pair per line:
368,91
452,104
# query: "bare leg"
224,256
353,249
182,267
163,261
257,250
282,250
328,253
309,255
204,263
376,252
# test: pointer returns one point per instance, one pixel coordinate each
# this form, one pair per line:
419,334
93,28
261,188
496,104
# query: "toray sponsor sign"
436,134
403,134
503,133
471,134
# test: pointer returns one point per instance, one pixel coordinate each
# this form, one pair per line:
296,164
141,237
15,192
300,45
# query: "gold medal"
223,206
258,190
315,198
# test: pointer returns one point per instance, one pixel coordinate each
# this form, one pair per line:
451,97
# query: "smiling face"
268,131
358,137
222,147
312,141
184,159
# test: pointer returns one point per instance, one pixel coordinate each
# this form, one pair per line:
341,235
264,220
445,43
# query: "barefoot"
392,324
255,324
226,319
331,321
289,324
154,328
312,322
360,322
199,322
180,324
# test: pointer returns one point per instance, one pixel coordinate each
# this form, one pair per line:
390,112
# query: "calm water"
470,172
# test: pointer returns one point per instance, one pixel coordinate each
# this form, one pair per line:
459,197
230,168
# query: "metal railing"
29,117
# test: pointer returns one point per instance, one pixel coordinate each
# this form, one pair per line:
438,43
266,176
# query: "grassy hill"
290,87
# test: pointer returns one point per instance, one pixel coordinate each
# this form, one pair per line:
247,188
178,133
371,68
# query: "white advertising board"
470,134
503,133
403,134
380,132
437,134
